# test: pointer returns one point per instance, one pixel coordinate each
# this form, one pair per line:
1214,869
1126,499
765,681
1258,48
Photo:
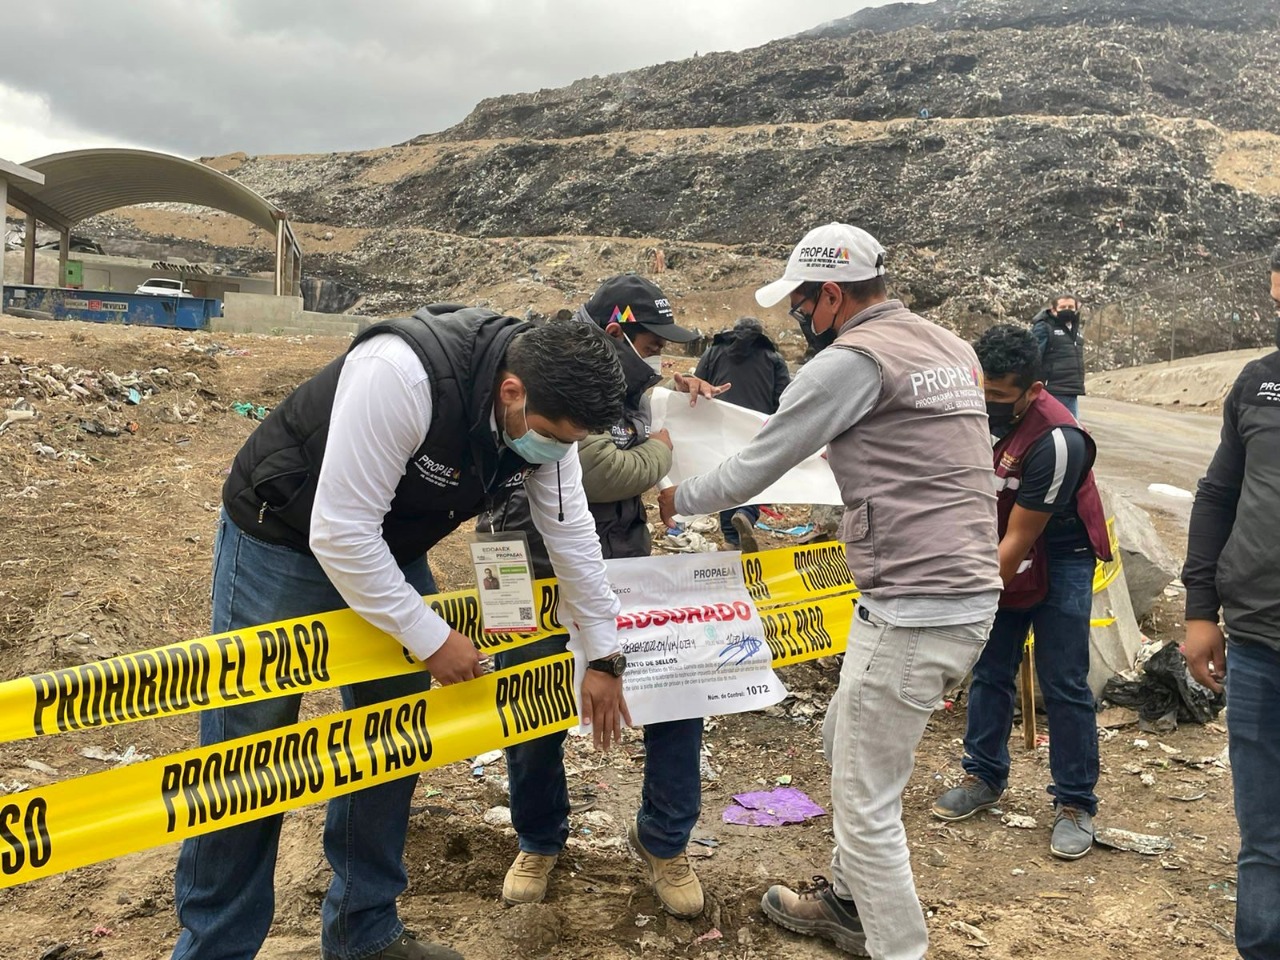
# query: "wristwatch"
615,665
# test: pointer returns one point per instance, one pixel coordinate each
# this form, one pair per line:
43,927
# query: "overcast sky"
204,77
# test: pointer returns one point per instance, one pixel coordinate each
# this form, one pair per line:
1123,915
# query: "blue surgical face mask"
533,447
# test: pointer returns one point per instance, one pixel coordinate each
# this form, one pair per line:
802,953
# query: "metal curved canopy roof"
82,183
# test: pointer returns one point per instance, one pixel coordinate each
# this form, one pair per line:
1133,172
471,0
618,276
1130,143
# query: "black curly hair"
570,371
1009,349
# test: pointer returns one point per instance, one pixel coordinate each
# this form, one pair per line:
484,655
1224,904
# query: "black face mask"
1003,417
817,341
639,375
1069,317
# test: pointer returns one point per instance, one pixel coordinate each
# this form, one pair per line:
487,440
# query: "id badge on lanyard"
504,579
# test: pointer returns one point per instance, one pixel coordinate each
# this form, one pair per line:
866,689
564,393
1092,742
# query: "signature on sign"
739,649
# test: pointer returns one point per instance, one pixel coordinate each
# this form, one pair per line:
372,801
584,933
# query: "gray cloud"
275,76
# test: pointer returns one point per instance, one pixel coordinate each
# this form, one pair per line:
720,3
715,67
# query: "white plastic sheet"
705,435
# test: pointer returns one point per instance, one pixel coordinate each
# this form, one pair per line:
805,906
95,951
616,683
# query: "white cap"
836,253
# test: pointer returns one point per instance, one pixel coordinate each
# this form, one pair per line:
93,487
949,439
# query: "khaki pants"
892,679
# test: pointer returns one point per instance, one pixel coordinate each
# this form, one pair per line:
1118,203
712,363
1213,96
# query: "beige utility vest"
915,473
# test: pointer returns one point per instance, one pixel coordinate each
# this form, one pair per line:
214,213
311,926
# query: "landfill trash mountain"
1100,146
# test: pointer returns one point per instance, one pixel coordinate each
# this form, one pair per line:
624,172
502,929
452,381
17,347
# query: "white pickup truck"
163,287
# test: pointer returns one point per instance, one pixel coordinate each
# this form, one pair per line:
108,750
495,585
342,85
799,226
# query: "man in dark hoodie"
617,467
1232,577
1057,331
747,360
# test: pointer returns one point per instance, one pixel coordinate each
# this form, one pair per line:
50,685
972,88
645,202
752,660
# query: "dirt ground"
105,540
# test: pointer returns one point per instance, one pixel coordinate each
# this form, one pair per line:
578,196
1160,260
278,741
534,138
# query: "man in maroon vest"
1052,531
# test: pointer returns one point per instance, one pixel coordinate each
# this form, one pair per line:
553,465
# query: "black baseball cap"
628,298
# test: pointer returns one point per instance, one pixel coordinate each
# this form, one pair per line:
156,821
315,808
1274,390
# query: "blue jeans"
1071,403
224,888
726,522
1061,623
670,800
1253,693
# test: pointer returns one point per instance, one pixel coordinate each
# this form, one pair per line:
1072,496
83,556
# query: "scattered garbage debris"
498,816
796,531
130,755
712,934
970,931
99,429
1169,490
1018,821
771,808
1144,843
708,772
688,542
581,799
643,919
212,348
254,411
39,767
703,524
1165,693
21,410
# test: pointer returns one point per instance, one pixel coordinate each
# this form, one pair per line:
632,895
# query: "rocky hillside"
1003,150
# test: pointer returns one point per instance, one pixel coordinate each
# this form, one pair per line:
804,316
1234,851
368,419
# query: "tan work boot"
673,880
526,881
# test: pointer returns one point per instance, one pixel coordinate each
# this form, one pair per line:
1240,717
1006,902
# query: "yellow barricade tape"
806,602
320,651
105,815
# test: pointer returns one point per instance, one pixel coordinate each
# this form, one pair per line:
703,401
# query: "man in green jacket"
617,467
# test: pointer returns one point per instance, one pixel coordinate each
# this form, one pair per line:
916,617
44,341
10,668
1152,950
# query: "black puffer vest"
1063,360
272,486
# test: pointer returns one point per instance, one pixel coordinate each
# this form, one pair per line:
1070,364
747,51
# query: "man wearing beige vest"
898,402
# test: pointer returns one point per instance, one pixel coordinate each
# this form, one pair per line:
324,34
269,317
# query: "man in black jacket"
1057,330
333,501
1233,566
747,360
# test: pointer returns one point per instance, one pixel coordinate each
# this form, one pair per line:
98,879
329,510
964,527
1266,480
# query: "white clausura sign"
694,643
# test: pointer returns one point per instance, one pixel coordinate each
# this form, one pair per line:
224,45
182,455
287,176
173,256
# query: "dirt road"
1139,446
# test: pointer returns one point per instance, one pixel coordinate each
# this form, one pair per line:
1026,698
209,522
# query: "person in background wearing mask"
1057,331
898,403
1053,530
333,501
1233,569
617,467
746,358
